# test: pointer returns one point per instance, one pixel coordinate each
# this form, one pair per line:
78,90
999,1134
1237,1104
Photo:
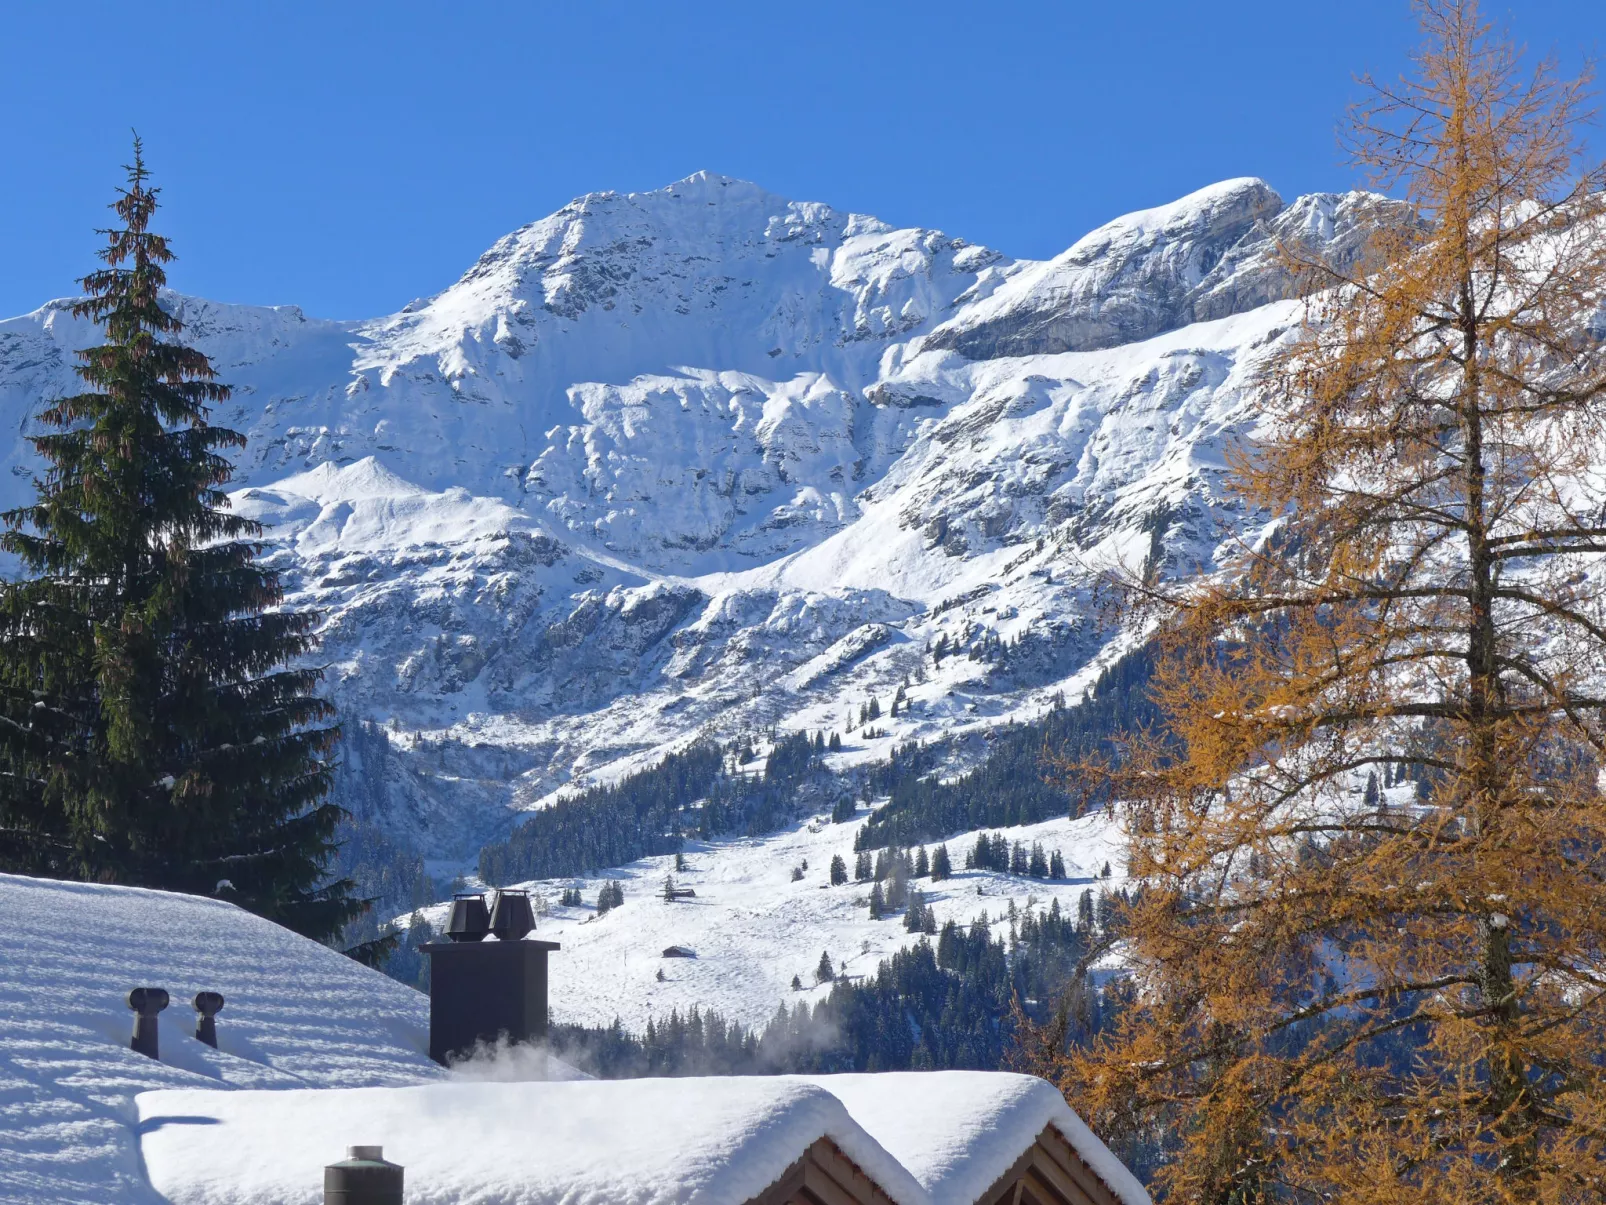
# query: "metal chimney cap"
470,919
148,1001
208,1004
368,1154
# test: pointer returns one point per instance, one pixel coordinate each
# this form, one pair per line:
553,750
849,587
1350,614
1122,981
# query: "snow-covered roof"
88,1119
957,1132
716,1141
297,1015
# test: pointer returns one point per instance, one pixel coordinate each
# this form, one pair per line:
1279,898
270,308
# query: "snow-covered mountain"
706,460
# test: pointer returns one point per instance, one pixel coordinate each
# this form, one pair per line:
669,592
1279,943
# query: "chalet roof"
301,1020
297,1015
958,1131
716,1141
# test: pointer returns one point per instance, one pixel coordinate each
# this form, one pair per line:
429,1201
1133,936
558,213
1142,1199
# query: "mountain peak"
1217,208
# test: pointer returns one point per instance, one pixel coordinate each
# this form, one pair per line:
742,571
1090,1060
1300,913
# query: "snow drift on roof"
958,1131
298,1014
717,1141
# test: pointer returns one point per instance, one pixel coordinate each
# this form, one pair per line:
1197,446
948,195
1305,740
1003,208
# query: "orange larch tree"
1368,959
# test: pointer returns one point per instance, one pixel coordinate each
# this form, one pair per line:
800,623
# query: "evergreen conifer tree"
878,904
897,884
839,870
941,866
824,972
915,912
922,864
1018,862
861,866
152,731
1084,911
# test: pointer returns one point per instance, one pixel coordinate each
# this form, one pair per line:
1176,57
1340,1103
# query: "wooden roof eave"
823,1175
1049,1172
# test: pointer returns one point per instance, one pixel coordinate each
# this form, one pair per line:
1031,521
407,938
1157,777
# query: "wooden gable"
1049,1172
823,1176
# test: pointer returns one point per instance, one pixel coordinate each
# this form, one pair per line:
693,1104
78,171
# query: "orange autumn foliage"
1368,959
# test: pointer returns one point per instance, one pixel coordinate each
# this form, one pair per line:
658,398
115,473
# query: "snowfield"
752,928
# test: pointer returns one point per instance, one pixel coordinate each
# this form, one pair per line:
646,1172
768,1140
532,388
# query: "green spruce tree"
839,870
823,973
151,731
861,866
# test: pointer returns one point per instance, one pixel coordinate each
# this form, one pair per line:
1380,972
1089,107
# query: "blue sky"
349,157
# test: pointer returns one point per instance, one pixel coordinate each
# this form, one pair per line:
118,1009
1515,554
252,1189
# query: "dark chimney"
207,1006
362,1178
480,991
146,1002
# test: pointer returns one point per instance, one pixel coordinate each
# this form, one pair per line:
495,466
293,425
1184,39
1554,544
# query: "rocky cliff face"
708,460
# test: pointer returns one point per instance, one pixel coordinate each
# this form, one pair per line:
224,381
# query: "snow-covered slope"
706,461
751,927
296,1015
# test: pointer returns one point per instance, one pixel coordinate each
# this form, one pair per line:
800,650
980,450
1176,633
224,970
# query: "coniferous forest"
1020,779
704,791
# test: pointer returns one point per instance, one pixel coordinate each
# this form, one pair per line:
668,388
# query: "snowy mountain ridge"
705,460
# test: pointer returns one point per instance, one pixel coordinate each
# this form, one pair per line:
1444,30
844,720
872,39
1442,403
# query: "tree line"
1019,781
951,1000
702,791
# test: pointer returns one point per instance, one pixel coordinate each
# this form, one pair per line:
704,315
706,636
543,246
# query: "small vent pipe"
362,1178
146,1003
207,1006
